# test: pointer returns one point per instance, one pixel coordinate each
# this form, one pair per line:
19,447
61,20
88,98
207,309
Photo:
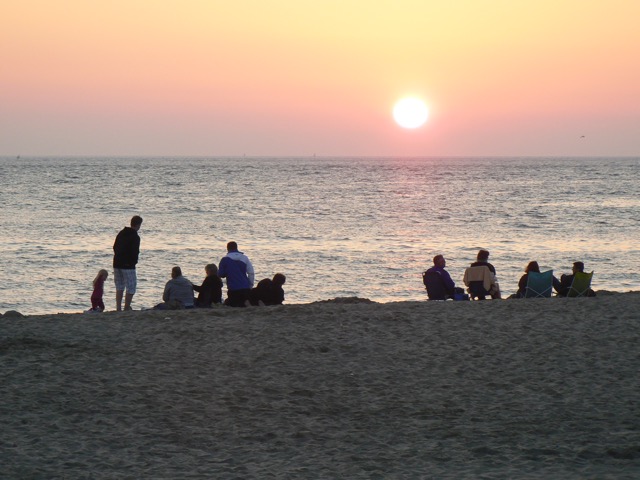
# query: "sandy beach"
537,388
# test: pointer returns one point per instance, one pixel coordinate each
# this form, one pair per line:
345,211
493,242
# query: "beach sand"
537,388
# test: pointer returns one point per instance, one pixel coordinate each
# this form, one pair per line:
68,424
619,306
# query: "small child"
97,305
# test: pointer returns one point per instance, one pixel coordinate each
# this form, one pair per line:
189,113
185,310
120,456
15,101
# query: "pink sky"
303,77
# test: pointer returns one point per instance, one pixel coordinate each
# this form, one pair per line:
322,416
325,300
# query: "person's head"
136,221
578,267
102,274
439,261
532,267
279,279
483,255
232,247
176,272
211,269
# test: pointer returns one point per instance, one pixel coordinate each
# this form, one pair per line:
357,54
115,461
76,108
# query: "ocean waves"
334,226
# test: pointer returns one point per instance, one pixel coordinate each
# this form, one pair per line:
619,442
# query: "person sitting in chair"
437,280
566,281
522,284
482,260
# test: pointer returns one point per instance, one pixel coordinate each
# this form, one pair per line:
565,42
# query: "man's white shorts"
125,278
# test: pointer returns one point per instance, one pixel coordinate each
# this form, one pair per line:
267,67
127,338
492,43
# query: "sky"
303,77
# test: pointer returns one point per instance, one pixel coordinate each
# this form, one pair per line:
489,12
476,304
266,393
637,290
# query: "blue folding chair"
539,284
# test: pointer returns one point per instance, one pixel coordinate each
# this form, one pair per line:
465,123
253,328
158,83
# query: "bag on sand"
460,295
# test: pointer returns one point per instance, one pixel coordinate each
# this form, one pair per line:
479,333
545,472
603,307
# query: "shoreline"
336,300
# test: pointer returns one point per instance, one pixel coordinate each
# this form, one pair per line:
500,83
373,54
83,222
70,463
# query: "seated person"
480,281
277,292
437,280
567,280
268,291
482,259
522,284
178,292
210,291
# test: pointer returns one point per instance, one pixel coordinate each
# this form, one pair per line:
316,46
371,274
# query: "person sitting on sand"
268,291
178,292
566,280
210,291
522,284
482,259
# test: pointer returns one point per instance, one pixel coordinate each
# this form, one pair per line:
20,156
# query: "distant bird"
581,136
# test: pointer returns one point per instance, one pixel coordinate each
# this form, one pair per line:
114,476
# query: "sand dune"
540,388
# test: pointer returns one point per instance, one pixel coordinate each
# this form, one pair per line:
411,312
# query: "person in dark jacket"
211,289
439,283
566,281
269,291
238,270
126,250
277,292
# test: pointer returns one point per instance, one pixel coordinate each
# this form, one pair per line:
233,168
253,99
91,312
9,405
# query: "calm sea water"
336,227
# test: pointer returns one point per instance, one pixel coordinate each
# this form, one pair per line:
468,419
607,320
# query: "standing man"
125,257
238,270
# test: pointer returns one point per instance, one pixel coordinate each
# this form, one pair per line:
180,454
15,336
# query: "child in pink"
97,305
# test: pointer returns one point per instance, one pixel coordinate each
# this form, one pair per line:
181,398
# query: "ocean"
336,227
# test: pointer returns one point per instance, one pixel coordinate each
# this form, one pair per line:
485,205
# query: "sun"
410,112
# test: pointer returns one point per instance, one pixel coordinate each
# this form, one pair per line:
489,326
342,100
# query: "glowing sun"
410,112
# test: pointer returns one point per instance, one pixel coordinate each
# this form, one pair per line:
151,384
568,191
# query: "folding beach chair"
479,281
435,286
539,285
581,285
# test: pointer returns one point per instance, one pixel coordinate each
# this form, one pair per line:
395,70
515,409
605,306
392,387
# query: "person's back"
482,260
261,293
210,291
235,268
126,249
566,281
277,292
178,289
238,270
268,291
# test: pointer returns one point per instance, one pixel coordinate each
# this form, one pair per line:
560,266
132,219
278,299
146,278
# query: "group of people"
482,282
236,267
238,270
561,286
179,292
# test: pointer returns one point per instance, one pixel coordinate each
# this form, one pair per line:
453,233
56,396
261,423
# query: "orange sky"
303,77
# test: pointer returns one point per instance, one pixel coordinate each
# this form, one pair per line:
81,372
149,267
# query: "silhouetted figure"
238,270
210,291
